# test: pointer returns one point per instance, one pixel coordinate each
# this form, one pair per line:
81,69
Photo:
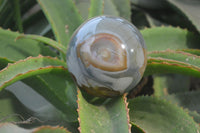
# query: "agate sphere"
107,56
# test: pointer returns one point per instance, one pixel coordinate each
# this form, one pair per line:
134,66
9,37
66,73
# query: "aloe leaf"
158,116
35,104
83,7
9,127
55,96
163,38
191,51
42,111
20,49
190,9
45,40
170,61
96,8
178,39
41,65
183,57
124,8
29,67
107,118
110,8
62,97
63,16
163,66
67,90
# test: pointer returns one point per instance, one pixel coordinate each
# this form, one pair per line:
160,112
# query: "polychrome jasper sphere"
107,56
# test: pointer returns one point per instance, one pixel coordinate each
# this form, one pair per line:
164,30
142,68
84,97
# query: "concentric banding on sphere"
107,56
103,51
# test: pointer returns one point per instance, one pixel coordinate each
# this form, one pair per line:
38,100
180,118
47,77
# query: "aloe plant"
37,93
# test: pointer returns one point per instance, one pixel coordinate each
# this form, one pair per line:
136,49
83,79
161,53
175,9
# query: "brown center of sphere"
103,51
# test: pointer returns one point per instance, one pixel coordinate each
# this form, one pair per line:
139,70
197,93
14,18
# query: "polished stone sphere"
107,56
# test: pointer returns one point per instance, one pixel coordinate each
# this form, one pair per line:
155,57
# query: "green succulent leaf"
63,85
190,9
45,40
43,84
162,59
158,116
48,84
170,61
124,8
163,38
63,17
191,51
63,96
14,50
23,48
29,67
110,8
107,118
37,108
170,50
96,8
83,7
8,128
177,56
162,66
